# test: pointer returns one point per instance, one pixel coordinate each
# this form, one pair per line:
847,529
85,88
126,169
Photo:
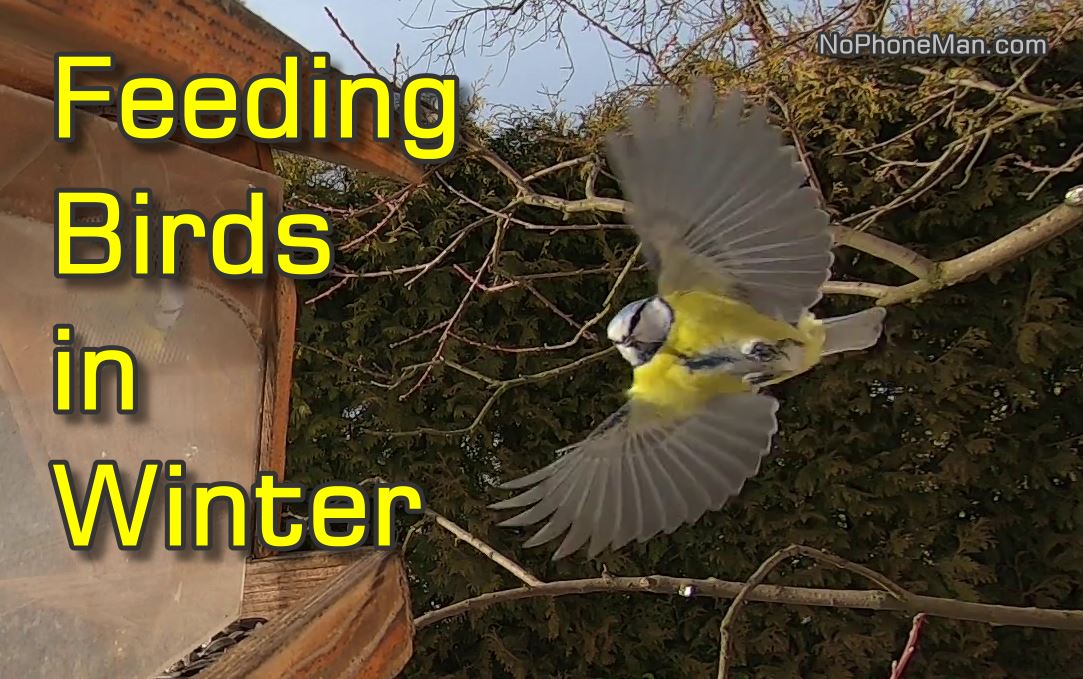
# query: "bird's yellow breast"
703,321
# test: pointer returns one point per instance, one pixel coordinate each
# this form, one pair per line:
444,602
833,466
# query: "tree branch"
1036,233
930,275
772,562
478,544
499,387
900,256
465,536
1027,101
871,600
898,668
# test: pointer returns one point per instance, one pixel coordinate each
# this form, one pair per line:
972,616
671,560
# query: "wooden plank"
358,626
279,374
285,302
275,584
174,39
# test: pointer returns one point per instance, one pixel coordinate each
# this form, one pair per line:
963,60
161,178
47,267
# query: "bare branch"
463,233
350,41
461,534
758,23
898,668
873,600
563,165
499,388
870,14
898,255
1029,102
446,334
772,562
478,544
1071,165
857,288
329,291
1039,231
725,646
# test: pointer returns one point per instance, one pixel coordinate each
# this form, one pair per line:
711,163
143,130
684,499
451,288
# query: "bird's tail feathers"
853,332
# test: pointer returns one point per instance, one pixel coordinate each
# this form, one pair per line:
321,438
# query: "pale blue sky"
377,25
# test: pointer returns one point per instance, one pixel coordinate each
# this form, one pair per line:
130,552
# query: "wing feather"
641,473
719,203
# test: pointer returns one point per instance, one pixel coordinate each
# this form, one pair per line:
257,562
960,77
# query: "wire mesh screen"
113,613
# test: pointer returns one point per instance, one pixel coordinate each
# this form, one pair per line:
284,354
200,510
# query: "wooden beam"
275,584
278,377
357,626
175,39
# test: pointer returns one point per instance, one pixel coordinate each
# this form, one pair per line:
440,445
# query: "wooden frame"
358,601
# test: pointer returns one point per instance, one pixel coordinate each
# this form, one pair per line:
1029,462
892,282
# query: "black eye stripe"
635,317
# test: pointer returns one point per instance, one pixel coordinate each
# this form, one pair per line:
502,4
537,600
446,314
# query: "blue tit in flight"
740,251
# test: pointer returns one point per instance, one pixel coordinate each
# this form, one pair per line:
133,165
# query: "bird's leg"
761,352
772,359
767,352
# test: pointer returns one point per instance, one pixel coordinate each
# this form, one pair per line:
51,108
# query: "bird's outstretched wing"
640,473
719,205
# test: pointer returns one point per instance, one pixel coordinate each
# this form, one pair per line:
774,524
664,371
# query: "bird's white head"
640,329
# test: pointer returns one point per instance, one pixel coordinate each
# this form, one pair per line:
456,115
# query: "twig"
555,309
499,287
1070,165
1028,102
898,667
500,388
463,233
446,334
563,165
353,45
393,206
328,292
527,195
478,544
725,646
582,330
418,335
858,288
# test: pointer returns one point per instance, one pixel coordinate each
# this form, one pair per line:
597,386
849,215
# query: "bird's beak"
629,354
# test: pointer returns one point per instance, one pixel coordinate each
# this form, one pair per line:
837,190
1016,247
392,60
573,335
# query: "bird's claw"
756,379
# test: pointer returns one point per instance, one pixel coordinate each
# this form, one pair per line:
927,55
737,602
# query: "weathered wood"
275,584
279,374
285,304
357,626
175,39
